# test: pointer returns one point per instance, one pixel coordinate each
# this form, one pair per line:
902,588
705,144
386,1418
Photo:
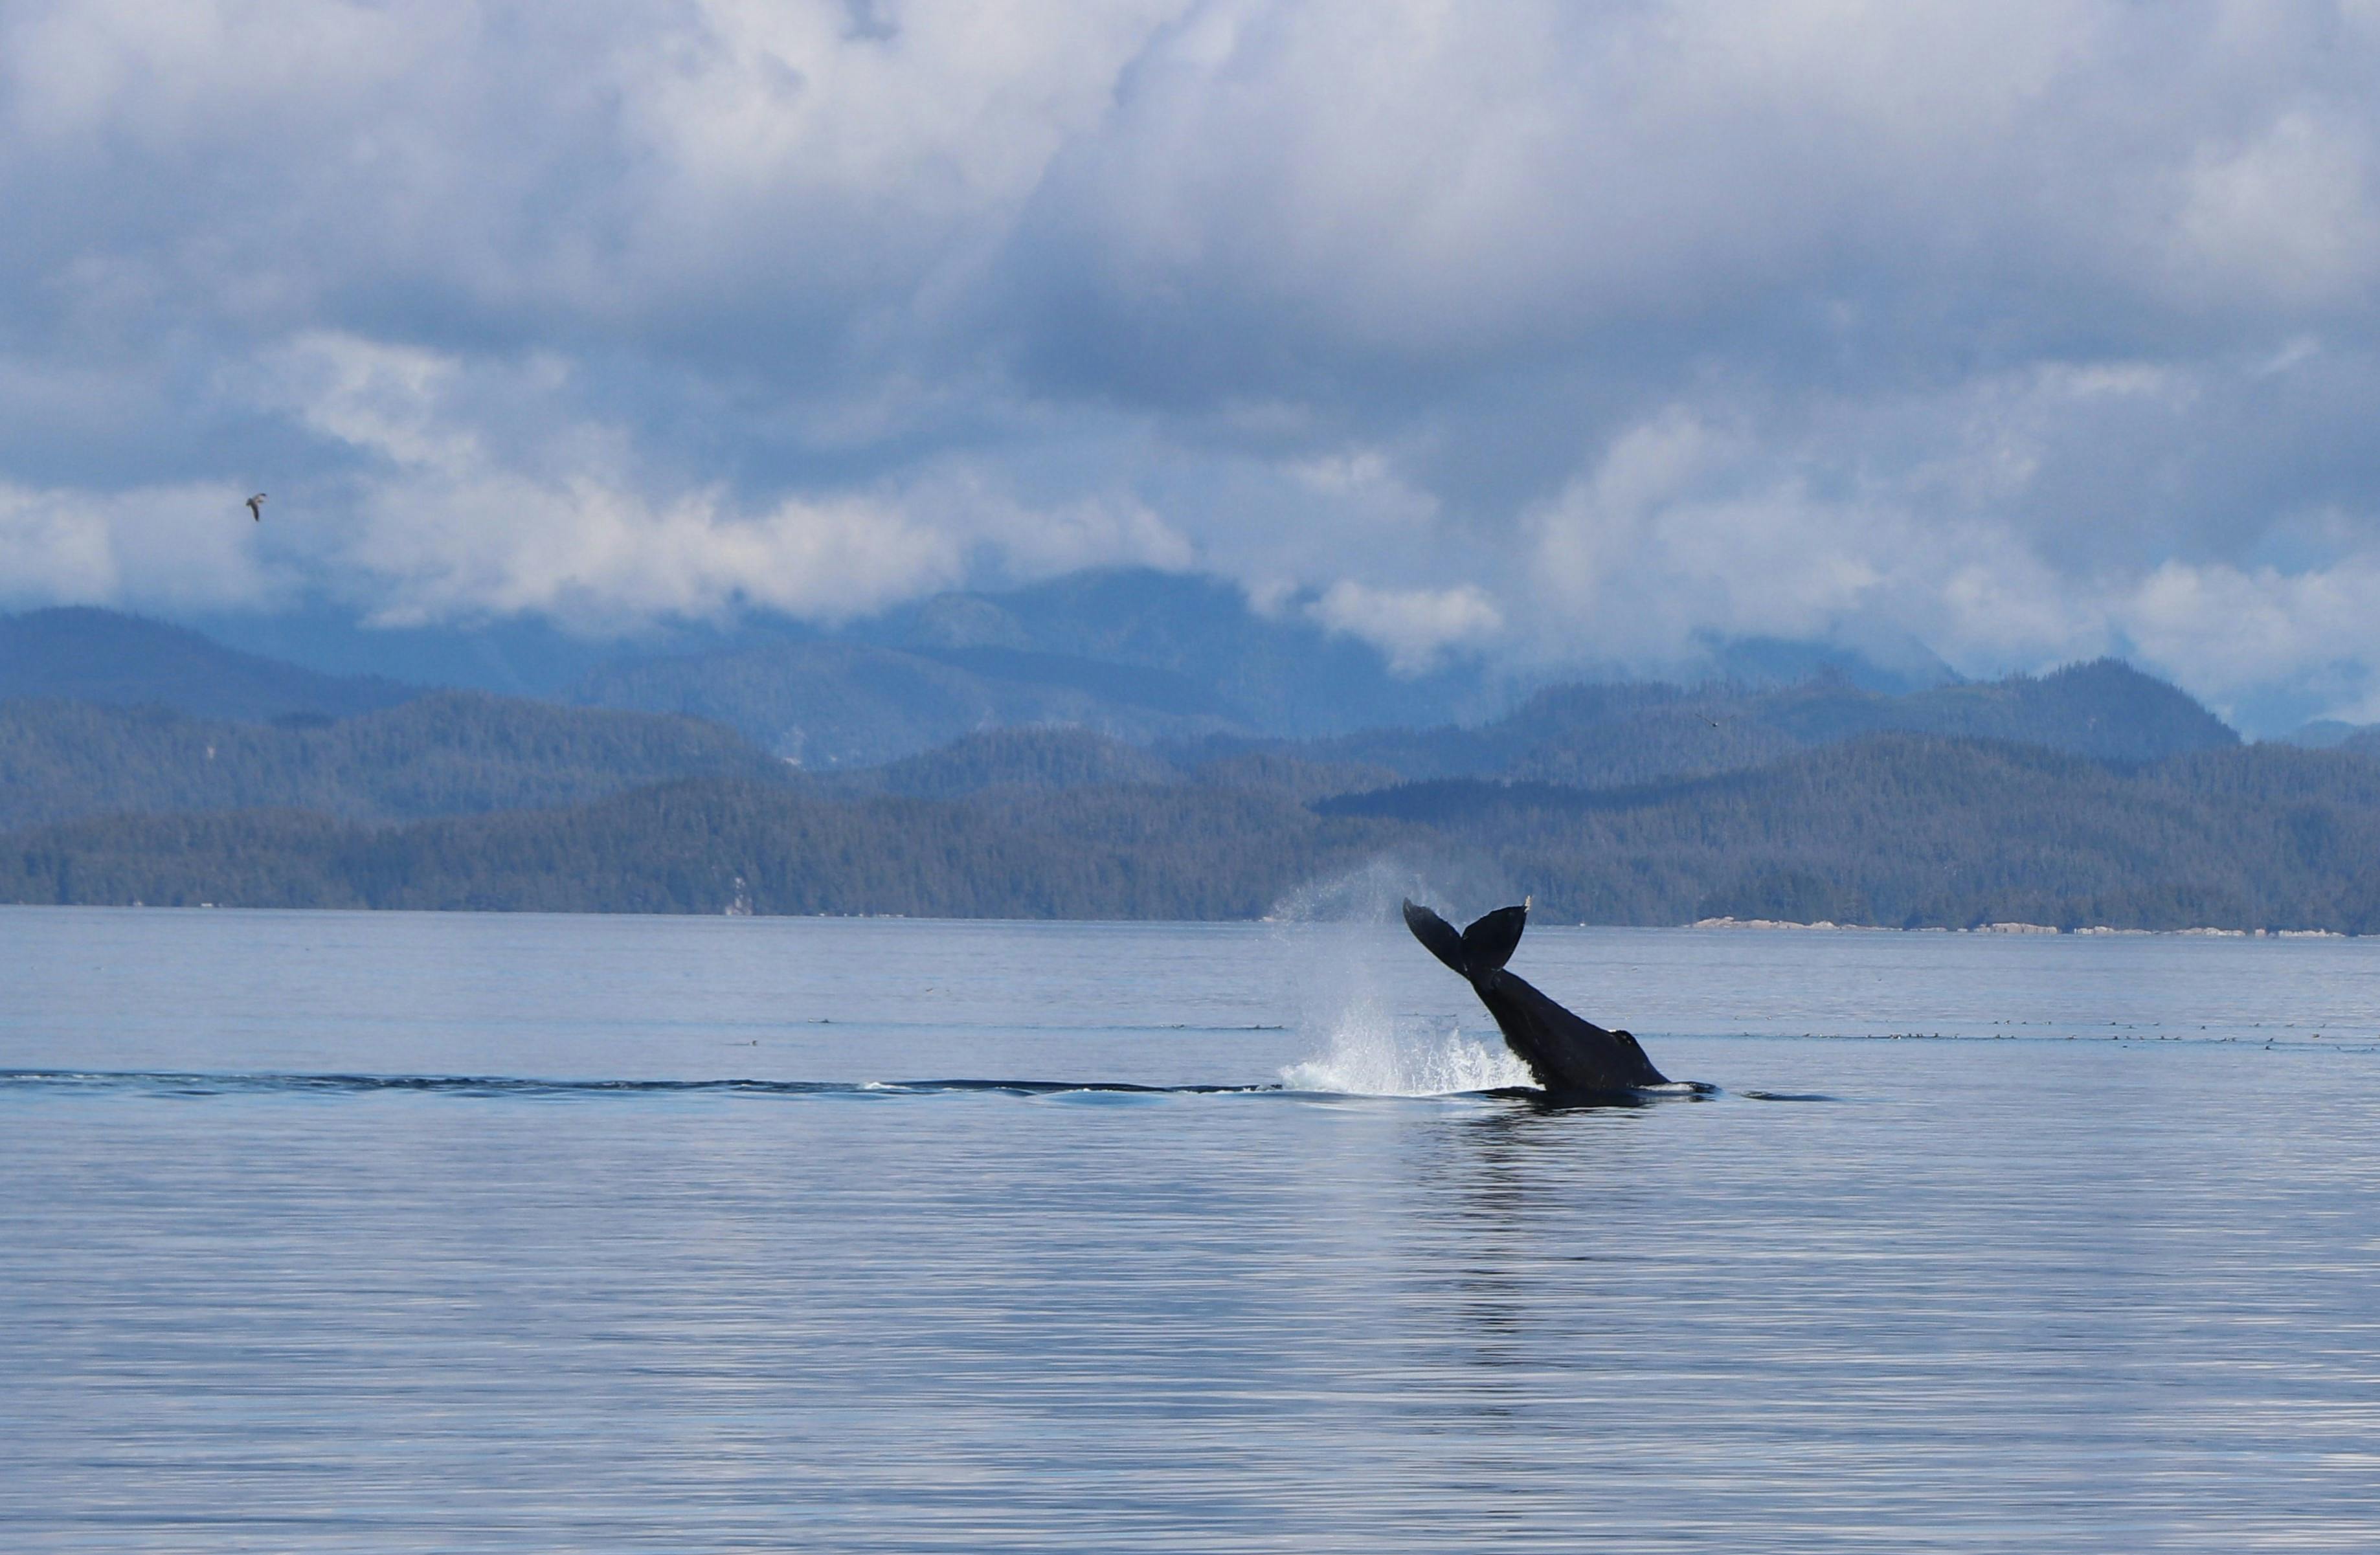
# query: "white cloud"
2293,216
1412,626
1679,529
459,514
1453,182
597,554
1368,480
2034,330
2231,632
192,546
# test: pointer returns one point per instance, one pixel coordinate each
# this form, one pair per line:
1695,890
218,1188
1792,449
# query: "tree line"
443,753
1894,830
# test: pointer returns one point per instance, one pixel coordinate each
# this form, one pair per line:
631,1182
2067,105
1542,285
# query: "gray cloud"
1553,330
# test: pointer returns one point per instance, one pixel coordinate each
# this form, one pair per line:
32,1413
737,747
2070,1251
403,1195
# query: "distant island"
2093,799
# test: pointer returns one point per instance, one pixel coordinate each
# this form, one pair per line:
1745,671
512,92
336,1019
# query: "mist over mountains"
1141,744
1133,653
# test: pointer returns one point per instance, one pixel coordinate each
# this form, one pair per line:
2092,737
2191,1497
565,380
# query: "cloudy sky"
1559,332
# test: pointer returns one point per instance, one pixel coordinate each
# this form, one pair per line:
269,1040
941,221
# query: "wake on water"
204,1084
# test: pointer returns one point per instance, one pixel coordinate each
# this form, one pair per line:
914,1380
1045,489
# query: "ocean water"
342,1232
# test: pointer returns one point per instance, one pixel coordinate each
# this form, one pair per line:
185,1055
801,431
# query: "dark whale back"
1570,1057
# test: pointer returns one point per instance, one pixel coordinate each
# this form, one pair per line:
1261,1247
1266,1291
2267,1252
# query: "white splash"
1372,1054
1368,894
1347,934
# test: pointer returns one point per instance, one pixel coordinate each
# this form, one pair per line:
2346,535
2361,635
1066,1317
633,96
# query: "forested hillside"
452,752
1912,830
706,846
2093,795
459,753
1897,829
839,705
1593,736
1034,759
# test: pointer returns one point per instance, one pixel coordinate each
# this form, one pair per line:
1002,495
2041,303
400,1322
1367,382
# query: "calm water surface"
334,1232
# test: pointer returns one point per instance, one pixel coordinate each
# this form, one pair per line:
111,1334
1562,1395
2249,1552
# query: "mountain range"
1135,654
80,654
1138,744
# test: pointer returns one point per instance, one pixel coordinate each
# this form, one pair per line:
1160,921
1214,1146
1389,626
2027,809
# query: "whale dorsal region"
1570,1057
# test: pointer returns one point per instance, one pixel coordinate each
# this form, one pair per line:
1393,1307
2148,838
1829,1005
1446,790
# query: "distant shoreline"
2094,930
738,911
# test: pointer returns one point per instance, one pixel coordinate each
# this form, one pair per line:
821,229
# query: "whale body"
1570,1057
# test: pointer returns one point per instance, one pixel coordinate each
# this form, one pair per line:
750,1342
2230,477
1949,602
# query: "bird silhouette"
256,507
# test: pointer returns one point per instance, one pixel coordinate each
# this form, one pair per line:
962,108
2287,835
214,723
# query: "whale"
1571,1058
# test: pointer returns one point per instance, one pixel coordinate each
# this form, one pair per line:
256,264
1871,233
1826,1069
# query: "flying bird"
256,507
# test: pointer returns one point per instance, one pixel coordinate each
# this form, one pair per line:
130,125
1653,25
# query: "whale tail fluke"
1490,943
1438,936
1476,951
